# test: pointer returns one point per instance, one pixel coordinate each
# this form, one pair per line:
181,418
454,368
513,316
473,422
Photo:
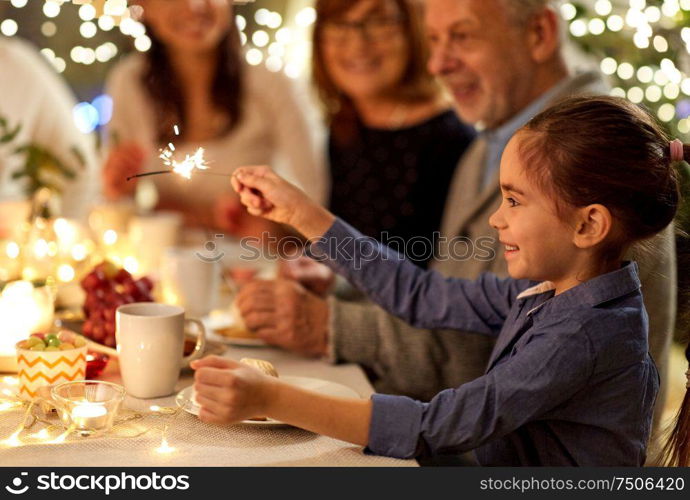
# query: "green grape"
52,341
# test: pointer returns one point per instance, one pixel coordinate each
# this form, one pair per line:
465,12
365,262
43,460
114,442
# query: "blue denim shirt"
570,380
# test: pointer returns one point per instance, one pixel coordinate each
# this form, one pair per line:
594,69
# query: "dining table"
160,434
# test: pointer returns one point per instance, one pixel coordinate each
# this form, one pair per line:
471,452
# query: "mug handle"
200,342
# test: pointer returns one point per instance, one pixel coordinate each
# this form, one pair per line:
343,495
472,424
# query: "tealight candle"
89,416
88,405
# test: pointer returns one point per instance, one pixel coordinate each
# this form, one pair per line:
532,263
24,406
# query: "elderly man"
502,62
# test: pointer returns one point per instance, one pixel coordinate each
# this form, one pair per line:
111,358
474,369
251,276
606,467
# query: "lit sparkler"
191,164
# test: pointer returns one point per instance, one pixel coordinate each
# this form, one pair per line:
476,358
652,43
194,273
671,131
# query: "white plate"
221,319
184,397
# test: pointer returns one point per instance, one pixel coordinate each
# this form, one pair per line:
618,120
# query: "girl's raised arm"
425,299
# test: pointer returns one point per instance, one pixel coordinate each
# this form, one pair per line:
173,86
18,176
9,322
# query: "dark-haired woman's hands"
230,216
123,161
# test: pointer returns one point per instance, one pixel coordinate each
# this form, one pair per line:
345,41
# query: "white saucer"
184,397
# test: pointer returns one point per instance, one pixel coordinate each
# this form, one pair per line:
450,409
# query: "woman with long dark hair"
194,76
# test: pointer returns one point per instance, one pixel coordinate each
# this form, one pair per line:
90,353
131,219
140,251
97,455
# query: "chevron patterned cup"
45,368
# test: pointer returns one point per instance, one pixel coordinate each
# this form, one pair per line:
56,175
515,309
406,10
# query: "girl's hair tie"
677,153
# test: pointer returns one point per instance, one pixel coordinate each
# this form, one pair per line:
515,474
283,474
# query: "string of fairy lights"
269,43
643,45
644,49
269,38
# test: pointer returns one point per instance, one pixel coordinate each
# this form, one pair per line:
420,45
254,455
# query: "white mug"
150,344
189,281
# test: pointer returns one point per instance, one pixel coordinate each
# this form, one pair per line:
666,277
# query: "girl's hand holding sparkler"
267,195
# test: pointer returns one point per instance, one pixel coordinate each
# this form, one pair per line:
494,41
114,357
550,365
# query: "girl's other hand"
267,195
229,392
123,161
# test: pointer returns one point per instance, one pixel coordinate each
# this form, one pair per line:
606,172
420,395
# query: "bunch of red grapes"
107,288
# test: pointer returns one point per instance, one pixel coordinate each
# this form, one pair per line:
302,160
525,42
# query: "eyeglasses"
374,29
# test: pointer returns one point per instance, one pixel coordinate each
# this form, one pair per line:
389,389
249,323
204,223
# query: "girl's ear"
593,225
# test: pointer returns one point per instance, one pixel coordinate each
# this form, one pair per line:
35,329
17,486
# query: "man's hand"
283,313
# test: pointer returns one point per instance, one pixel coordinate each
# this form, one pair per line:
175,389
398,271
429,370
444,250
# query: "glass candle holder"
88,405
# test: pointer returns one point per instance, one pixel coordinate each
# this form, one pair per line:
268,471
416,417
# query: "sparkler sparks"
185,168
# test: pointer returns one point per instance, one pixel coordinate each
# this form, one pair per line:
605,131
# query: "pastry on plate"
262,365
237,329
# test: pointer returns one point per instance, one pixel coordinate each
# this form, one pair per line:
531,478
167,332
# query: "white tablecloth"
198,444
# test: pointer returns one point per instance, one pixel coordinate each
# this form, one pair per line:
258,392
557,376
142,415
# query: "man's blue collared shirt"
570,380
497,139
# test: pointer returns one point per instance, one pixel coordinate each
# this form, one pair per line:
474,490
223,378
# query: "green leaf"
9,136
19,174
79,155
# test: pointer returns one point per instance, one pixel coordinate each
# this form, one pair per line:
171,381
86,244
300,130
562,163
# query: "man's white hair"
521,11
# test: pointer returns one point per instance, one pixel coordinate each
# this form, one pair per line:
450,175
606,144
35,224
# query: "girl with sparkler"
570,381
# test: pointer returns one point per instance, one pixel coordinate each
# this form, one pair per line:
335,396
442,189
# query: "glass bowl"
88,405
